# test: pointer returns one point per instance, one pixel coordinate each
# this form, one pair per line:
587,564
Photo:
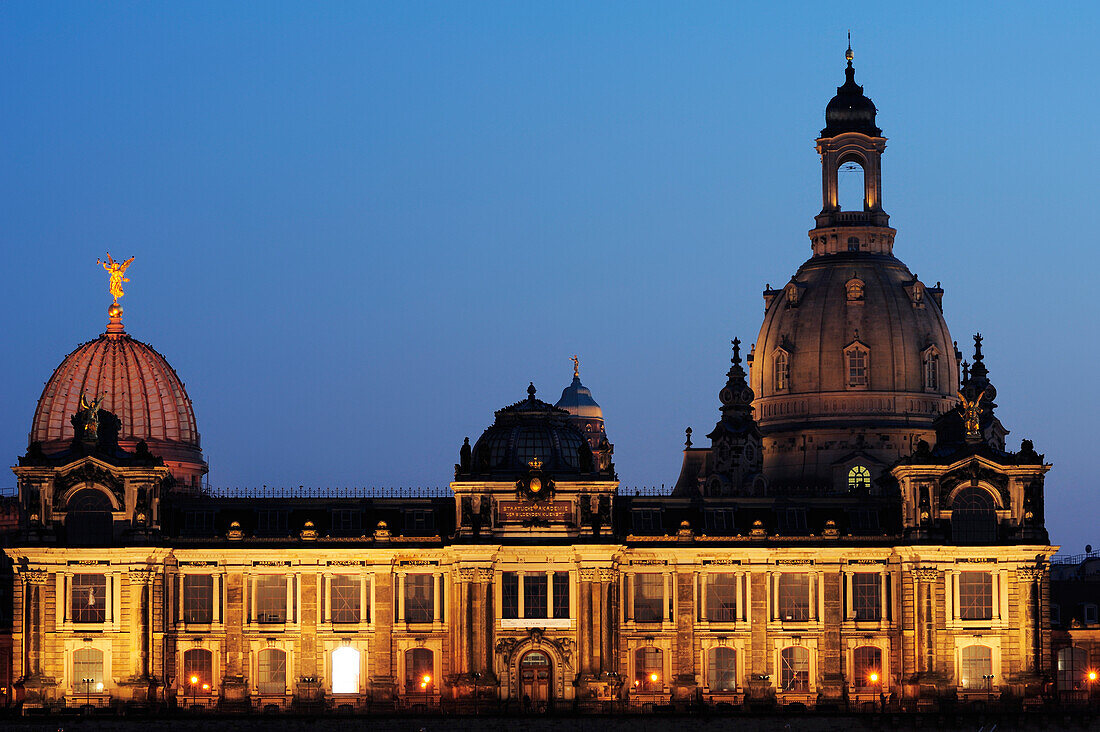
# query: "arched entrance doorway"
534,681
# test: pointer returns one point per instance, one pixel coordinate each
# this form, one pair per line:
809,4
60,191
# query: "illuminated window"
649,592
794,672
419,671
346,595
976,595
721,597
648,669
198,664
419,598
271,598
859,478
722,669
866,595
534,595
1073,669
868,667
271,671
87,664
88,601
782,371
794,596
198,598
977,667
345,671
858,359
854,290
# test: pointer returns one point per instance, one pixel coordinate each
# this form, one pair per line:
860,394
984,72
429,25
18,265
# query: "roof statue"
576,366
86,419
972,412
117,272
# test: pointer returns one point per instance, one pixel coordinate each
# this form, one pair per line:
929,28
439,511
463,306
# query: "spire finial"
576,366
531,390
687,434
848,54
736,360
978,347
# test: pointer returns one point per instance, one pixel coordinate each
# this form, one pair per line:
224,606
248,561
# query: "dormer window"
792,294
930,367
859,479
854,290
646,519
1089,613
857,360
782,370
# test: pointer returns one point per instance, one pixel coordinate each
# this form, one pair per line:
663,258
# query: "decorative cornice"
35,576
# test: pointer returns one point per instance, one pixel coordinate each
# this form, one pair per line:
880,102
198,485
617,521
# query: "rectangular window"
198,523
857,367
346,595
864,520
534,595
931,370
866,595
509,595
419,520
419,598
649,592
198,598
271,598
794,596
722,598
976,595
561,594
646,519
792,521
273,523
272,671
88,601
346,522
718,520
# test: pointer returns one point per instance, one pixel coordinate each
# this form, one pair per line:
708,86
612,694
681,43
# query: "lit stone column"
883,579
254,583
289,598
924,587
628,601
401,597
701,579
549,593
219,581
849,595
520,575
436,590
955,594
774,579
585,624
666,581
326,617
33,615
364,612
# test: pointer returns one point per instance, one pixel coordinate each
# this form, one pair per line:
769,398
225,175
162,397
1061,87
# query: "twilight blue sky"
362,227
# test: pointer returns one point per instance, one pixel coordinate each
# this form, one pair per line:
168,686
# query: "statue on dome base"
86,420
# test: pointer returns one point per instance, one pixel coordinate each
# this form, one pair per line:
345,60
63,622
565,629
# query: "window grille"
88,602
534,595
722,598
857,367
271,598
419,670
794,596
198,598
975,595
561,594
419,598
509,595
271,671
794,669
859,478
868,667
649,598
87,664
977,667
649,669
346,596
866,595
1073,665
722,669
198,663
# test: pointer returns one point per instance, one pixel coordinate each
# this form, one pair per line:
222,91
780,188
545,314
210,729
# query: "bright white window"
345,671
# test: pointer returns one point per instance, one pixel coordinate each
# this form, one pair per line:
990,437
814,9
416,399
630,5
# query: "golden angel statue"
576,366
972,412
117,272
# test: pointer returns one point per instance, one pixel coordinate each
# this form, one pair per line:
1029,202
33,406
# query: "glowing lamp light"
653,678
427,679
1092,676
99,686
206,687
194,679
873,677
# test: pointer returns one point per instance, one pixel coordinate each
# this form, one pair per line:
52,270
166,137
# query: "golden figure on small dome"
117,273
576,366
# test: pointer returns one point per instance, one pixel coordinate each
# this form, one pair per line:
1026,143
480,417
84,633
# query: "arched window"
198,671
271,671
88,670
782,370
868,667
973,518
722,669
88,521
930,366
648,669
419,671
854,290
851,194
345,670
1073,669
976,670
794,669
859,479
857,361
853,243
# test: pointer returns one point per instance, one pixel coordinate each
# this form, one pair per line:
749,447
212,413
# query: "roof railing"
303,491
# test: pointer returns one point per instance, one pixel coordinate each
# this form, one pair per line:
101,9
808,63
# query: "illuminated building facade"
856,531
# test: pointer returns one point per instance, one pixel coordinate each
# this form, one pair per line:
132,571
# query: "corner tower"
854,360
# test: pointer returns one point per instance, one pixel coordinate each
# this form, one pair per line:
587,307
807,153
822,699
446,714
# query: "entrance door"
534,674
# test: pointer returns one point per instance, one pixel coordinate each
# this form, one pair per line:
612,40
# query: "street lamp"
194,698
87,691
1091,676
876,680
988,681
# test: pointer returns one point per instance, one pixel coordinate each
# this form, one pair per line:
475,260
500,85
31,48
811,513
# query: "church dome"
850,110
577,400
531,431
137,385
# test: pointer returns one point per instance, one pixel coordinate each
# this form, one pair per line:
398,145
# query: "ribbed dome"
577,400
527,431
137,385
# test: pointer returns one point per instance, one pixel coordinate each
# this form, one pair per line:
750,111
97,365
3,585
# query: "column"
701,580
289,578
584,619
178,584
628,601
849,596
955,594
460,628
254,580
110,600
742,598
364,606
436,589
598,629
219,581
401,597
665,579
326,613
520,574
549,593
883,579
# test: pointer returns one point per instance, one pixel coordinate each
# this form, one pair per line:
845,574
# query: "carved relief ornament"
925,574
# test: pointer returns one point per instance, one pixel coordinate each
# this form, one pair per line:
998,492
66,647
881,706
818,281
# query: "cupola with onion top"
854,361
532,470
